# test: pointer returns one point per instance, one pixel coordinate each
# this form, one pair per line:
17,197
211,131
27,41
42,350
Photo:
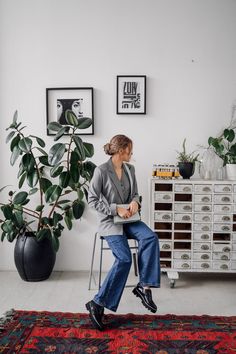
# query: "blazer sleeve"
135,196
95,197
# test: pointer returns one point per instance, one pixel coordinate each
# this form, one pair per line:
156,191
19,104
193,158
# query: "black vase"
34,259
186,169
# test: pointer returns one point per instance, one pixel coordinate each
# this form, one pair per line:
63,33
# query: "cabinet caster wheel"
172,283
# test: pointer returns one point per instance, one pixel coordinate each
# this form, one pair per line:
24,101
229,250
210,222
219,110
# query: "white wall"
187,49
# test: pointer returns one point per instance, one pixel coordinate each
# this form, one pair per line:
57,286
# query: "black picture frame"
78,99
131,94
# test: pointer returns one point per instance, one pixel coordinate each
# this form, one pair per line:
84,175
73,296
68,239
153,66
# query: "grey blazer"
104,195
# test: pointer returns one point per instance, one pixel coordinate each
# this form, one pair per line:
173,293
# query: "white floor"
211,294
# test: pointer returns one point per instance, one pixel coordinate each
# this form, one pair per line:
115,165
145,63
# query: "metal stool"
104,248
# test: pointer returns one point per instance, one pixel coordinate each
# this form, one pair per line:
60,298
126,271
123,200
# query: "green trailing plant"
52,185
225,146
183,156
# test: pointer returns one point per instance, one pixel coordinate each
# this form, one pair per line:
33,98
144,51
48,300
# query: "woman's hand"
123,213
133,207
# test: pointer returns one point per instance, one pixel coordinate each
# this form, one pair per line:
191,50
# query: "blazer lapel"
115,179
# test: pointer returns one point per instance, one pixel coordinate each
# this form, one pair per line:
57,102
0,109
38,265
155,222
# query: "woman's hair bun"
107,149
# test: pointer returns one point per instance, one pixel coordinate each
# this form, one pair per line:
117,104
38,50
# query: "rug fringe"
7,317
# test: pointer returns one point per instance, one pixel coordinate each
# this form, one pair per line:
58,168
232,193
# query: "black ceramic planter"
34,260
186,169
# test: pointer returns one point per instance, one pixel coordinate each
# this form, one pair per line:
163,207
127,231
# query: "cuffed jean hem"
152,285
109,308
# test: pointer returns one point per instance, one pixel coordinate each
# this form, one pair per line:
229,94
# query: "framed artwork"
131,94
77,99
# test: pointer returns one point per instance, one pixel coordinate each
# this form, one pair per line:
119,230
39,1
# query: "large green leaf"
45,184
60,133
25,144
78,209
7,226
55,242
32,178
7,211
71,118
64,179
18,218
52,193
74,172
15,154
42,151
15,142
54,126
229,135
28,162
15,117
56,218
33,191
44,160
84,123
89,167
56,170
43,233
22,179
74,158
56,153
89,149
68,222
80,146
10,136
20,198
39,207
39,140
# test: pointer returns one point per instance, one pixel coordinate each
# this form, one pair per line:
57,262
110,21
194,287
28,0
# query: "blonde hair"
116,143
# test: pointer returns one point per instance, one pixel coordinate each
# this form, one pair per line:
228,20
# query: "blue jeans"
148,263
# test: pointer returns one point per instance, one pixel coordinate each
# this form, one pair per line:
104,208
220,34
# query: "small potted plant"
225,147
51,190
186,162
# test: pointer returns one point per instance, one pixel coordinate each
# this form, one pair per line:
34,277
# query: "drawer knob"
205,199
224,266
205,208
187,207
226,189
185,256
205,256
166,217
205,228
226,208
224,257
206,218
206,189
166,196
187,189
185,265
186,218
204,247
226,218
205,237
226,249
225,228
225,199
165,246
205,265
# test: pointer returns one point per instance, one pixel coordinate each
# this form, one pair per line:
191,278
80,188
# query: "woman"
110,187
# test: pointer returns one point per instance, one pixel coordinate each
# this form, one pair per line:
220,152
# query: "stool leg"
100,267
92,261
135,256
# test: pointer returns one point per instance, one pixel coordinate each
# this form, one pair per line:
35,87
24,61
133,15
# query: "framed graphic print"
131,94
77,99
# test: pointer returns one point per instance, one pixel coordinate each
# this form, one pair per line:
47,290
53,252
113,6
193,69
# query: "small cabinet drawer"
233,256
163,197
202,198
223,209
183,217
203,188
222,218
199,246
183,207
201,236
221,247
233,265
182,255
223,188
186,188
201,256
203,208
221,256
165,245
202,265
182,264
162,216
219,265
202,217
202,227
222,227
223,198
234,237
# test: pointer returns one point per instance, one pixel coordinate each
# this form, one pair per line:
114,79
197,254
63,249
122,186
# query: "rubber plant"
52,185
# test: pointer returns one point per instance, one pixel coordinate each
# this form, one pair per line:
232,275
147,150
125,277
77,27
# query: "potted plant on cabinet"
51,190
186,162
225,147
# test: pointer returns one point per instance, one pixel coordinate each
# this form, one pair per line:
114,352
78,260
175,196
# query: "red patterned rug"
57,332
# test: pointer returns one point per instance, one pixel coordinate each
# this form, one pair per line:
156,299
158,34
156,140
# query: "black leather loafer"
146,297
95,313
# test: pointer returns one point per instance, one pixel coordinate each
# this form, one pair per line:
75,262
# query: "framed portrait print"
131,94
77,99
